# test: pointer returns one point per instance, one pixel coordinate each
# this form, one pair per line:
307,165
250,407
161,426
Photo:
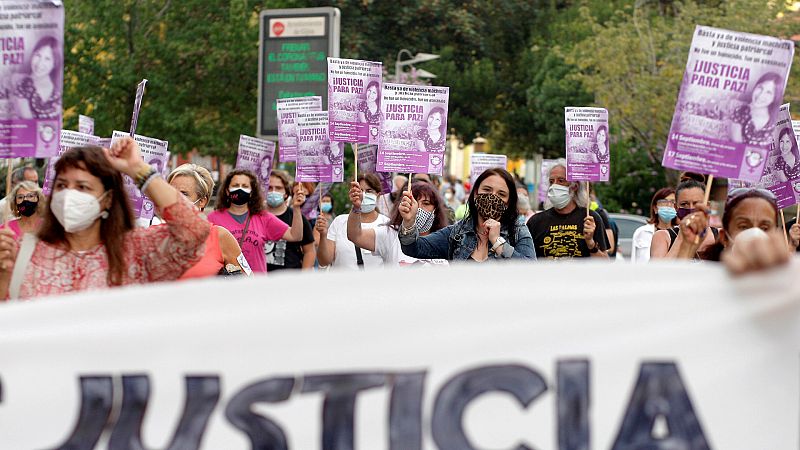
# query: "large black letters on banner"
202,394
521,382
572,401
264,434
659,391
338,409
96,400
405,411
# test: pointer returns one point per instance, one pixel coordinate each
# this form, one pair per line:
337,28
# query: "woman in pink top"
240,209
88,240
222,250
27,205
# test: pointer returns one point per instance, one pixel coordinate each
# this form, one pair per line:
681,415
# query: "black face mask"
683,212
27,208
239,197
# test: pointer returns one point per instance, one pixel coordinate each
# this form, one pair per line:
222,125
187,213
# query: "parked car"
627,224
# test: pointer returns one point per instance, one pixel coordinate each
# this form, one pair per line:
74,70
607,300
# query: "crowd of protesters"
83,235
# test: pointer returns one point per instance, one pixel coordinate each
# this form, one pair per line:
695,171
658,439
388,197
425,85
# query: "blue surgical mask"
326,207
667,213
275,199
368,203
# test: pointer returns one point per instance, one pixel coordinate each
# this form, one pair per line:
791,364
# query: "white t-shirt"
387,246
345,255
640,243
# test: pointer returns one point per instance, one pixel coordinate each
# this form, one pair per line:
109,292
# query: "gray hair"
577,189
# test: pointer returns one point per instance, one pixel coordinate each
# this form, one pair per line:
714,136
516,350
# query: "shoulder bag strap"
29,242
359,257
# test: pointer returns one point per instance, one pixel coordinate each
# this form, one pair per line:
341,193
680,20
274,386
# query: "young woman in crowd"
282,254
662,216
565,230
222,254
490,229
88,240
28,204
335,250
691,213
383,240
240,209
747,210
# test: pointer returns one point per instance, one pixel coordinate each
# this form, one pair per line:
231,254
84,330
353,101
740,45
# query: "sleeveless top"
211,262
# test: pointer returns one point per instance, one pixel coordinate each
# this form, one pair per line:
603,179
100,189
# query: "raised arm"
295,232
355,234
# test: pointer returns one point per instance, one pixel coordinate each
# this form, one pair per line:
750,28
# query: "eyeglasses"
733,193
30,197
665,202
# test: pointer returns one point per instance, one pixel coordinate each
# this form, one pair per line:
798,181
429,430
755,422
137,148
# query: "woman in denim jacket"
489,231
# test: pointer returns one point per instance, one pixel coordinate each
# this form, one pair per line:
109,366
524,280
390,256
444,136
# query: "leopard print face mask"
490,206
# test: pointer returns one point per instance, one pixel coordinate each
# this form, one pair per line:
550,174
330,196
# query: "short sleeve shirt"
557,236
263,227
281,254
345,256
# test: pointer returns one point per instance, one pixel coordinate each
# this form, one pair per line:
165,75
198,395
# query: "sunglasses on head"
734,193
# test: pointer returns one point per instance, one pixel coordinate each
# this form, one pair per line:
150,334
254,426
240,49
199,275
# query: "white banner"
550,356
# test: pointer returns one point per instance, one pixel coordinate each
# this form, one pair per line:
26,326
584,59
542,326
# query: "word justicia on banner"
631,367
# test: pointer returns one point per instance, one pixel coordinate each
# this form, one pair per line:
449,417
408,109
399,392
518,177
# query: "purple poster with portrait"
782,171
480,162
310,208
256,155
368,163
544,178
318,158
588,151
69,139
154,152
85,124
414,129
354,95
31,77
137,105
287,123
728,104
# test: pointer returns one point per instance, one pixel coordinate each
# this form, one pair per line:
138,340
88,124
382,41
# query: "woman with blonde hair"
27,205
223,256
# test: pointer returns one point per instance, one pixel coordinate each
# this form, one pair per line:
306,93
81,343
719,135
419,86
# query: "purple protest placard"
368,163
414,129
137,105
256,155
480,162
31,78
287,123
544,179
354,95
310,208
588,153
318,158
782,172
728,104
85,124
69,139
154,152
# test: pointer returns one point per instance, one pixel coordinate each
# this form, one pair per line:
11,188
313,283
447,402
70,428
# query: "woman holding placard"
489,231
88,240
241,210
383,240
335,250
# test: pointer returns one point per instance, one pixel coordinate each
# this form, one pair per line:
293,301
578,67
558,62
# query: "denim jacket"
458,241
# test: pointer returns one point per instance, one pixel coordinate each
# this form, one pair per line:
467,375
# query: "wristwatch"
594,249
498,243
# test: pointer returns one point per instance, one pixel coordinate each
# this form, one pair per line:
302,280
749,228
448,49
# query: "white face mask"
558,196
75,210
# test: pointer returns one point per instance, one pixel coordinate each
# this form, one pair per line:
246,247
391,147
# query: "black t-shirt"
558,236
787,227
287,255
